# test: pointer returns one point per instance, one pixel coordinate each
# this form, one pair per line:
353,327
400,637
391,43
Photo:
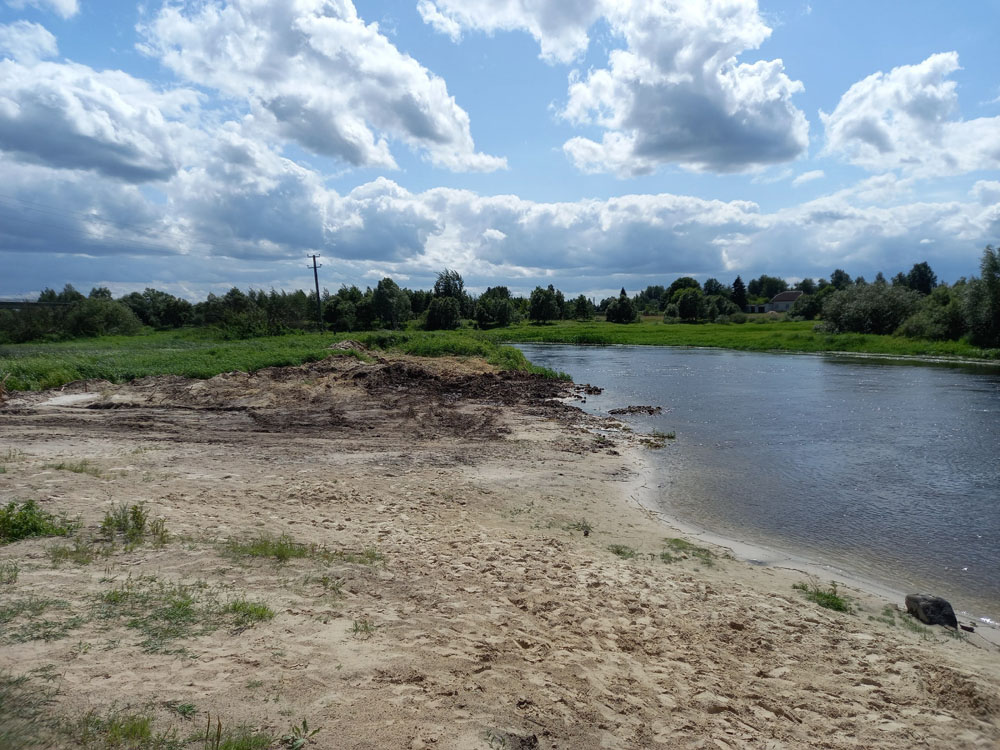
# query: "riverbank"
465,568
203,353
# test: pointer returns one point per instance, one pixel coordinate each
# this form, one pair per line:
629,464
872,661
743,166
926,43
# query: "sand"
480,616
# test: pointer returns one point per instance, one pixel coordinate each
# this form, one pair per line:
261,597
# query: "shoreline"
643,493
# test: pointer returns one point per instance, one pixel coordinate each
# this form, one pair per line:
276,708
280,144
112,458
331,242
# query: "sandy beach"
447,596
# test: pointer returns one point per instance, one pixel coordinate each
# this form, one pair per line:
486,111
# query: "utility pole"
319,302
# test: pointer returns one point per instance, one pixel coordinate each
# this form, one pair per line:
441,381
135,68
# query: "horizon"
194,148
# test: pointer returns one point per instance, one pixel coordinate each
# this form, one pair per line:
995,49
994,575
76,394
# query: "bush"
739,318
872,308
29,520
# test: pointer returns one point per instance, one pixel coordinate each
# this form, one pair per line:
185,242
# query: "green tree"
740,294
444,313
806,286
495,308
689,303
713,287
542,307
766,286
869,309
583,308
840,279
981,302
684,282
621,310
921,278
449,284
390,303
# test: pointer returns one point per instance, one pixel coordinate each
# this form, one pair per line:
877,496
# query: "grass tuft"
681,549
83,466
827,598
9,570
623,551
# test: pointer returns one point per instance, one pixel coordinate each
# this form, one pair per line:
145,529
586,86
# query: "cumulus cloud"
560,28
243,200
73,117
64,8
905,120
676,93
27,42
320,76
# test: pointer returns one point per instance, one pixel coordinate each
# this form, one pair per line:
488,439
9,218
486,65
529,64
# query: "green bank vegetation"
911,316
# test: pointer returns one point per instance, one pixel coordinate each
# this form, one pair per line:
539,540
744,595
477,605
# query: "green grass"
28,520
200,353
828,598
284,548
623,551
26,719
37,619
681,549
790,336
83,466
247,613
9,570
164,613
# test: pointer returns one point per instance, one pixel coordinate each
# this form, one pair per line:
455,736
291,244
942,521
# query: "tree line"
911,304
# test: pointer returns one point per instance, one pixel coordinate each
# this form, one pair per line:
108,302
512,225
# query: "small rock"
931,610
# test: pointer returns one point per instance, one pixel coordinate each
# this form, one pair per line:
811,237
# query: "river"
886,471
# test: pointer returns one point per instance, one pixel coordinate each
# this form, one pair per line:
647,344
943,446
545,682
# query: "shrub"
872,308
29,520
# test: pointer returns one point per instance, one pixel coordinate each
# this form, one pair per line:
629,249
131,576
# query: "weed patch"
827,598
623,551
126,521
164,613
364,628
22,620
284,548
9,570
28,520
82,466
681,549
26,721
247,613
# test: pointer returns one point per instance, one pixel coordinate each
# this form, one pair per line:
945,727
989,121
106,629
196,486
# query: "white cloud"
73,117
987,192
320,76
813,174
241,199
905,120
560,28
27,42
675,94
64,8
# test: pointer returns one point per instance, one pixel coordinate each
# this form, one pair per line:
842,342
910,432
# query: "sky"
196,145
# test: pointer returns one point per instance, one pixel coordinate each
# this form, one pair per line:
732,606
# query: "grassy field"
198,353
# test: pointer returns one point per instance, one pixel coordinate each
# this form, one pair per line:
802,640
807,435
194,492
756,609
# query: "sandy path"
487,622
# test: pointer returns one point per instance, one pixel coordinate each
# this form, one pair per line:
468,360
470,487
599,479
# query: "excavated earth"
449,597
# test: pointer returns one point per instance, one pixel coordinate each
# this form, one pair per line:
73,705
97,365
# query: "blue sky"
194,146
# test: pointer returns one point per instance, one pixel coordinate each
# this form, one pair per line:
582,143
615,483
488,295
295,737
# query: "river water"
887,471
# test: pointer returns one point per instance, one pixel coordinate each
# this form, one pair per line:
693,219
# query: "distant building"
781,302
